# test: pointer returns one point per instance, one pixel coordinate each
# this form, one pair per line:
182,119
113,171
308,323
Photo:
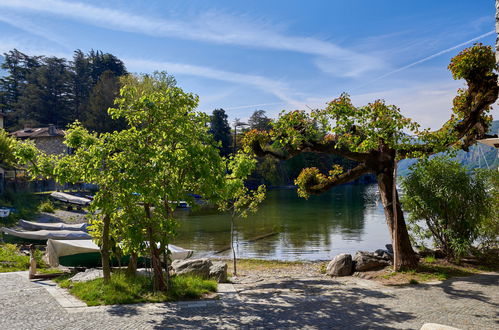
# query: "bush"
454,206
46,206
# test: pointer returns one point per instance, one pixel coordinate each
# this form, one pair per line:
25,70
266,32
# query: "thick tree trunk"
106,268
406,258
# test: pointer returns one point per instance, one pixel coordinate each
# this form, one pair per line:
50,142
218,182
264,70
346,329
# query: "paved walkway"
309,302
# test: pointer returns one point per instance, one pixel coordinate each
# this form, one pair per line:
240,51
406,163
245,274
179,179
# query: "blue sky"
270,55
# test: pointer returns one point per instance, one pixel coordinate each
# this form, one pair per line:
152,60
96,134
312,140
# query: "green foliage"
101,98
47,206
236,197
7,144
39,90
165,154
475,60
452,204
219,127
128,290
260,121
12,260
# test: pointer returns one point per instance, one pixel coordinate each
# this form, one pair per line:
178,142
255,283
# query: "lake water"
344,220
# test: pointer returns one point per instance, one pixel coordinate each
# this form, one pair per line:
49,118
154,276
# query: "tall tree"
101,99
376,137
219,127
82,84
47,97
260,121
19,66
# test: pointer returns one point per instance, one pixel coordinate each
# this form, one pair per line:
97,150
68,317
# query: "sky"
275,55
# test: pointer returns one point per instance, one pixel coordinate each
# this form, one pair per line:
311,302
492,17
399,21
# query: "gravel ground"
63,216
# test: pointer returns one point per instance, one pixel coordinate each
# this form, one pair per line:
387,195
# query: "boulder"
88,275
218,271
385,254
193,267
341,265
365,261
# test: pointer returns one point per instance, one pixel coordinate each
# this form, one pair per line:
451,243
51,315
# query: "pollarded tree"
376,136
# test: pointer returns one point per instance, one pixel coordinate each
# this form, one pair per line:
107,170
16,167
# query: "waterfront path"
252,302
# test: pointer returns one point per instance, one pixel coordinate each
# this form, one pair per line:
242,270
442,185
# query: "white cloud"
277,88
210,27
35,29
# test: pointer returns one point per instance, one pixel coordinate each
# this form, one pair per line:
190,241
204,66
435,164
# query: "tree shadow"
293,303
451,287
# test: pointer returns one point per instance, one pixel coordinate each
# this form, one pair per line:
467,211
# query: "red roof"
33,133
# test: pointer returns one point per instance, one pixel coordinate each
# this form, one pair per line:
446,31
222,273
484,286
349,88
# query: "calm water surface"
344,220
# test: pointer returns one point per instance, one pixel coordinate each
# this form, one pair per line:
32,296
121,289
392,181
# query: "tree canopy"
40,90
377,135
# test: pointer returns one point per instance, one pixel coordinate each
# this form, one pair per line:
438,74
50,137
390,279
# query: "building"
48,139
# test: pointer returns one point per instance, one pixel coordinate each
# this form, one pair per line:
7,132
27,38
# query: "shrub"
453,205
47,206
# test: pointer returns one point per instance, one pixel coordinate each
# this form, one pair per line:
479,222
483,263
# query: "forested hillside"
41,90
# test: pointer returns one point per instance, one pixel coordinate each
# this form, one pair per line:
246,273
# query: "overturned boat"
41,236
85,253
30,225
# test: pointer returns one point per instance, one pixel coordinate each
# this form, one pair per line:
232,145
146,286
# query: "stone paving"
284,302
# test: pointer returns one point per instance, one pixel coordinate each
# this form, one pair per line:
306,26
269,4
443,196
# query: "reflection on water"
344,220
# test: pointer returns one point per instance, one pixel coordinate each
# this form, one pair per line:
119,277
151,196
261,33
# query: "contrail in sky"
430,57
252,106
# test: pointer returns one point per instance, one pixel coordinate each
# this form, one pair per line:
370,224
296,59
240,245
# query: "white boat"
30,225
43,235
72,199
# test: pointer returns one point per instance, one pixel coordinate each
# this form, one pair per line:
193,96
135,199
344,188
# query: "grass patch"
255,265
13,260
429,259
138,289
428,270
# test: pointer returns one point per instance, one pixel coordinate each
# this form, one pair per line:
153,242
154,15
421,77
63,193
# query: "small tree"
237,198
452,204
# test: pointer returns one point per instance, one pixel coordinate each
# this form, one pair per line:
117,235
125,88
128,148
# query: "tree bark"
158,279
402,248
106,267
132,264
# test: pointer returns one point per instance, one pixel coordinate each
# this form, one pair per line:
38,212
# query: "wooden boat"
85,253
41,236
30,225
